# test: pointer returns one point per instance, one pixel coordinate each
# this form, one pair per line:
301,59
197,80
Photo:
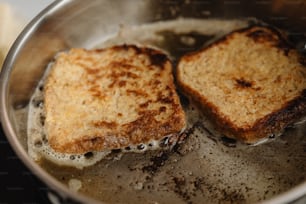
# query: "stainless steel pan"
203,169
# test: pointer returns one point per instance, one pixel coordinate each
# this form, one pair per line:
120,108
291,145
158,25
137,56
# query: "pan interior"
204,168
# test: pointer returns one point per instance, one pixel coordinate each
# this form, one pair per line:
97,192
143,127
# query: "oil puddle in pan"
203,168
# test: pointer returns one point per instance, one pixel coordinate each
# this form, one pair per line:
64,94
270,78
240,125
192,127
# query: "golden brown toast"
111,98
251,83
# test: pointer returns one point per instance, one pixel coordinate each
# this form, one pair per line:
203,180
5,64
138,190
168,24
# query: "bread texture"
111,98
251,83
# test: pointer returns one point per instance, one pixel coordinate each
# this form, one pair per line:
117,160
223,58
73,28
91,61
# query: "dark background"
17,183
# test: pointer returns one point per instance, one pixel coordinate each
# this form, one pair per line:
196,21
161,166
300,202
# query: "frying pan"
203,169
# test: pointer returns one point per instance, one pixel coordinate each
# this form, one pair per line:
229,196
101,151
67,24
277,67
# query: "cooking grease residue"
203,168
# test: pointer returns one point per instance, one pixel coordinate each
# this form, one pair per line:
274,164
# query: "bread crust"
114,97
279,116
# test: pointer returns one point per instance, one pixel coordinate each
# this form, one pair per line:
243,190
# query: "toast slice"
112,98
251,83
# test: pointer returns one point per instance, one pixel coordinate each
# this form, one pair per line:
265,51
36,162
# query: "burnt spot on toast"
158,59
242,83
260,35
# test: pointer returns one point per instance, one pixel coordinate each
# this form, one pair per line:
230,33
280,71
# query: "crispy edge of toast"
269,125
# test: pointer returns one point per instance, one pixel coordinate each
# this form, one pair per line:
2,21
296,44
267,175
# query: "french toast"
112,98
251,83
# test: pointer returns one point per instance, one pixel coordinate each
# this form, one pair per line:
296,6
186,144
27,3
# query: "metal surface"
79,23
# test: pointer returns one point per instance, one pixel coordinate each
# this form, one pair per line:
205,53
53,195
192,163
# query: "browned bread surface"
251,83
111,98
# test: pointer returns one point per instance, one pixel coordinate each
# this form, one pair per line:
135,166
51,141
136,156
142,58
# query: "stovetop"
17,183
